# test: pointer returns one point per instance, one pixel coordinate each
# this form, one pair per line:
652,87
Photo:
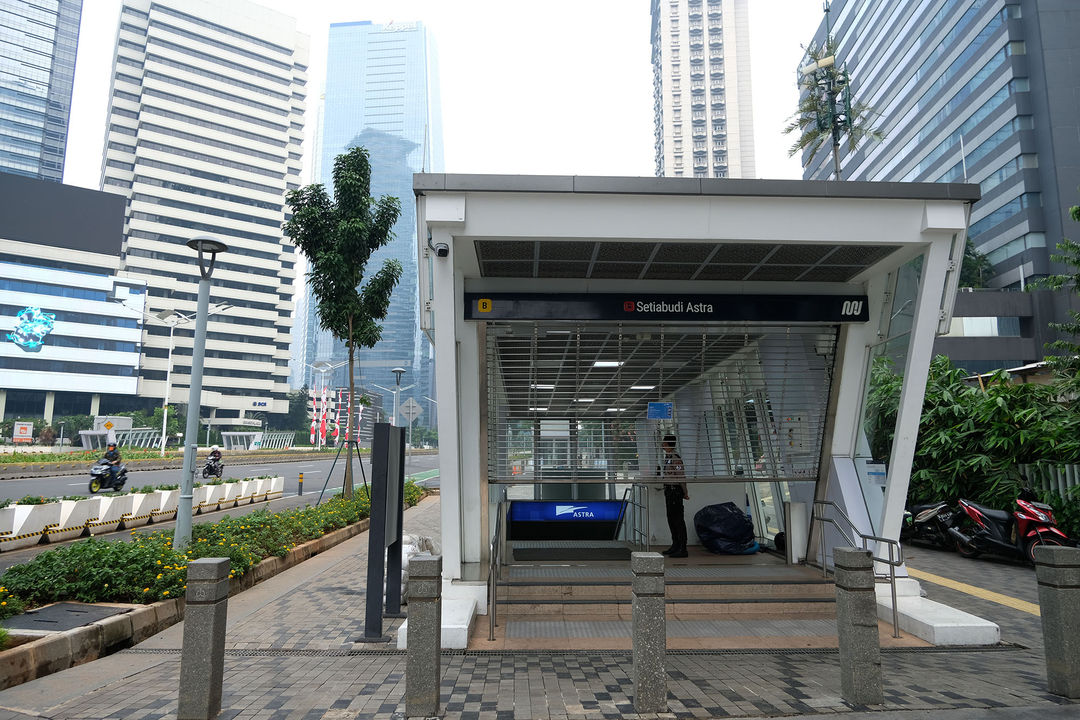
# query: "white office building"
701,88
206,118
66,347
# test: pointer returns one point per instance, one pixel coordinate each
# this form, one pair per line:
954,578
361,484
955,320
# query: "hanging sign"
689,307
660,410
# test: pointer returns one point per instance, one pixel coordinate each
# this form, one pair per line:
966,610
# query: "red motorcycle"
980,529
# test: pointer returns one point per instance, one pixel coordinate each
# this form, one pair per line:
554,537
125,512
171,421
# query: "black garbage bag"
724,528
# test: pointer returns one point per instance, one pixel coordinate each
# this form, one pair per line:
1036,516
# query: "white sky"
528,86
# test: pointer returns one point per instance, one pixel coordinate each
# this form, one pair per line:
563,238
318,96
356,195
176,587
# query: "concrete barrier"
202,659
424,654
649,632
857,627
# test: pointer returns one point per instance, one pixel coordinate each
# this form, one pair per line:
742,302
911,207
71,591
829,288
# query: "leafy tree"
826,112
338,236
976,268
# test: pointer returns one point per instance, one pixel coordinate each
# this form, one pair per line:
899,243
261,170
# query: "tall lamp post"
172,318
208,248
396,390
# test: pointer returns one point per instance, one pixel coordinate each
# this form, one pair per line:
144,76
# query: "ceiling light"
537,386
642,387
608,363
584,399
615,410
538,409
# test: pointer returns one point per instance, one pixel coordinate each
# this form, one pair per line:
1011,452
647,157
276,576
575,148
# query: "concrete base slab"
458,613
934,622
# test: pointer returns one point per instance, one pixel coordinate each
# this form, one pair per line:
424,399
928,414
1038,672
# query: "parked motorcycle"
984,530
928,525
213,467
101,477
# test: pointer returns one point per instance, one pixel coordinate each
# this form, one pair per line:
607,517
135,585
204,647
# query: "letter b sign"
483,305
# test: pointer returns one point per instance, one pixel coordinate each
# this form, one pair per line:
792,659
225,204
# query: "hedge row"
147,569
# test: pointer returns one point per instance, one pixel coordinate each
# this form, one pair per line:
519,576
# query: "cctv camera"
442,250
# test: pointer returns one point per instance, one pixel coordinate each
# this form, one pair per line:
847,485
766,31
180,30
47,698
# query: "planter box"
247,487
260,487
28,523
142,504
74,514
167,502
110,514
232,493
199,498
277,487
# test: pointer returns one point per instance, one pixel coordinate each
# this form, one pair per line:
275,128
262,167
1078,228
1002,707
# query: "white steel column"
473,529
916,370
447,297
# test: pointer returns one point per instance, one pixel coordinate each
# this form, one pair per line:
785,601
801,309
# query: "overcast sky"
528,87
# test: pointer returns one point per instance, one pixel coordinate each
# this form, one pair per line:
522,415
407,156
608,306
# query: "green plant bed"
147,569
87,456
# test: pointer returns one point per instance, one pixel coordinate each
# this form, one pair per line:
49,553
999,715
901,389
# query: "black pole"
380,472
395,513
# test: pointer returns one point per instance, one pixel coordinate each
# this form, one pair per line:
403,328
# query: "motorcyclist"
213,461
112,459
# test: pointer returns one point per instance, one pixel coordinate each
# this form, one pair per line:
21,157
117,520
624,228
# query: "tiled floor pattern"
561,686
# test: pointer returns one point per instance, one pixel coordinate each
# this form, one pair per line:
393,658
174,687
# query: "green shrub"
33,500
167,487
74,497
145,489
147,569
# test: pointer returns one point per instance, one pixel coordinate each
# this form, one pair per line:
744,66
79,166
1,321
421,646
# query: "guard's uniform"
673,500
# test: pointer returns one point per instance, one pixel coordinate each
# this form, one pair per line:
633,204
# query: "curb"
62,650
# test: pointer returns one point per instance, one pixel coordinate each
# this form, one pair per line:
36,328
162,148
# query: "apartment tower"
979,91
701,88
38,41
206,118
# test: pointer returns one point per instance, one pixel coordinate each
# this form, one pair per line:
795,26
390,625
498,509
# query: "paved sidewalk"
290,656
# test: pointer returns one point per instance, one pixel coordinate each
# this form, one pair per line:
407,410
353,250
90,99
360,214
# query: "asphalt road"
314,469
315,475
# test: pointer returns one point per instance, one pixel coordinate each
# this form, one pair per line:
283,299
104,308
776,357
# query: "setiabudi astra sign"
646,307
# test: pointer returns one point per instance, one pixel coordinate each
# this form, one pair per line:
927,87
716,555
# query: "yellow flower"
3,602
165,593
159,576
146,589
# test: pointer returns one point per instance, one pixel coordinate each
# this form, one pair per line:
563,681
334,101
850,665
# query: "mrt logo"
628,306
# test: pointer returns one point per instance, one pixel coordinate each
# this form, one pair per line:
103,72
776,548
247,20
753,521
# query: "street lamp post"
61,436
205,246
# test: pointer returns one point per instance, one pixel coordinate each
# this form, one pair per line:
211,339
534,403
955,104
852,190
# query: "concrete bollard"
424,653
202,662
857,627
649,633
1058,571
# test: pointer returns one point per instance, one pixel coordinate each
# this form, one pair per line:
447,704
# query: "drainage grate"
61,616
343,652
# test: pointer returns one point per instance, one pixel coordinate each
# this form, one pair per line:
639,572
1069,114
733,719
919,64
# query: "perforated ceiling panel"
676,260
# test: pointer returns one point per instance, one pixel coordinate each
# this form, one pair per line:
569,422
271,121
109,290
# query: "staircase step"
599,610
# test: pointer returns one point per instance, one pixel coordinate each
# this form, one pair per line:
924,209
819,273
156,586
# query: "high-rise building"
38,41
981,91
701,88
381,93
206,118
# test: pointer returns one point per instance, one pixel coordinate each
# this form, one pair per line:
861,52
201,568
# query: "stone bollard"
202,662
1058,571
857,627
649,633
424,653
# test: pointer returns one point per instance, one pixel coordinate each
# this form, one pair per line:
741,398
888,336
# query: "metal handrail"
493,568
636,497
892,562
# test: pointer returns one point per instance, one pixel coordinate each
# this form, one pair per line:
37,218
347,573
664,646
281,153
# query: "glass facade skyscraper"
382,94
979,91
38,40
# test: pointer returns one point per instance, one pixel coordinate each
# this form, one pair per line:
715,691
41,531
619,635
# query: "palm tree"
826,112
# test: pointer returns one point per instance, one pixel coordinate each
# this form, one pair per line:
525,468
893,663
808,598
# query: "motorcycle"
928,525
101,477
984,530
213,467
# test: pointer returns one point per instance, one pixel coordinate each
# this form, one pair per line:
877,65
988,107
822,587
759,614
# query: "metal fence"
1055,478
136,437
258,440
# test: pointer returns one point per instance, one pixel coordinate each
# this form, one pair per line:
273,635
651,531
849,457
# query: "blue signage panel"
660,411
568,511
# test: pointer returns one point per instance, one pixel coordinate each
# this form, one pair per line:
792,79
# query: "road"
315,475
314,470
997,589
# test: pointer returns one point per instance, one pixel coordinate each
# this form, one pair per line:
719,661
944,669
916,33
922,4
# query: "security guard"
675,492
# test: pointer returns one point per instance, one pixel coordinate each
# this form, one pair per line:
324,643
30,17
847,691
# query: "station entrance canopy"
577,321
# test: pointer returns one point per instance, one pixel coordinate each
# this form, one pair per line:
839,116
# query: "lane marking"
75,484
1000,599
